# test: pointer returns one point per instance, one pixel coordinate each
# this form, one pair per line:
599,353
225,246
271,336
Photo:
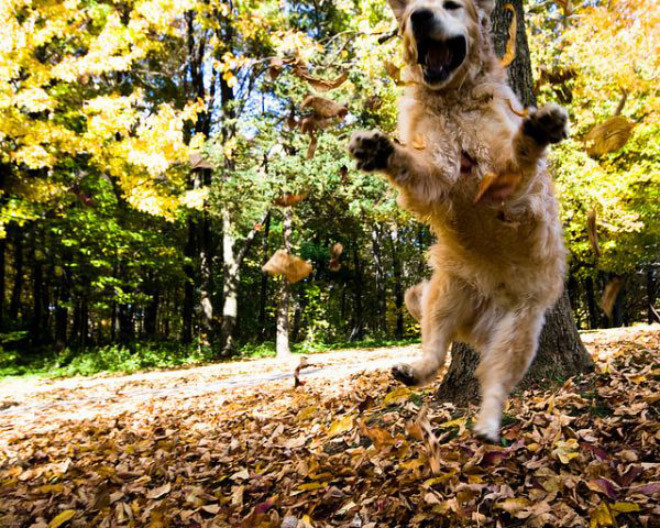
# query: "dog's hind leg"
504,363
441,314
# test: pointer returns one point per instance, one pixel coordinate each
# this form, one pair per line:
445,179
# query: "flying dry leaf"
324,107
313,123
275,67
335,252
610,293
311,148
289,200
510,53
393,71
61,518
609,136
198,162
592,233
287,265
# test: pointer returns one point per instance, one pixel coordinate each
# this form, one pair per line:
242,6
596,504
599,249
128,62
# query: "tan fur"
498,265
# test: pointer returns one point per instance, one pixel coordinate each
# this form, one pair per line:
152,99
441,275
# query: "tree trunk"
207,323
61,311
151,310
15,303
264,281
561,353
381,286
282,337
357,327
230,282
3,244
591,303
189,290
36,330
651,293
398,284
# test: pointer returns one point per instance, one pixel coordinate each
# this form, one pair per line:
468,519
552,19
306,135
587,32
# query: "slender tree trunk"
3,244
36,330
15,303
207,323
591,303
561,353
651,293
61,312
381,285
151,310
230,283
189,290
357,327
398,282
263,298
282,336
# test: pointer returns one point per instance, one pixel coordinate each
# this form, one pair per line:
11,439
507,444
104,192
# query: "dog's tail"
414,299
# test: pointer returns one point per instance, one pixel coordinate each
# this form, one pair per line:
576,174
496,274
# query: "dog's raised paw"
371,150
405,374
549,124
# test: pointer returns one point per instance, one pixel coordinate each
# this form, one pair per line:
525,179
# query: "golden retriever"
498,264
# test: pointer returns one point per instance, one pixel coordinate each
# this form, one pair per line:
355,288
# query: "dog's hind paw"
372,150
405,374
487,430
549,124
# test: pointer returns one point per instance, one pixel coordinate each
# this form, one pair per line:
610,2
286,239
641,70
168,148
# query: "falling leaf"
324,107
510,53
283,263
609,136
610,294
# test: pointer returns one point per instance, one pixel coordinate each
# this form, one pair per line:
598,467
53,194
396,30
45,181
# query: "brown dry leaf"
323,107
159,492
289,200
335,253
497,186
275,67
283,263
610,293
341,426
393,71
609,136
510,53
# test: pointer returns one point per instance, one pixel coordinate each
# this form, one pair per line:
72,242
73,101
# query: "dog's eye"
452,6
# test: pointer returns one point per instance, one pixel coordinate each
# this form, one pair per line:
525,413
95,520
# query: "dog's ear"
485,6
398,7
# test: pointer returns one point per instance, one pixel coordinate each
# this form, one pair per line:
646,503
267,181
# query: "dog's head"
442,38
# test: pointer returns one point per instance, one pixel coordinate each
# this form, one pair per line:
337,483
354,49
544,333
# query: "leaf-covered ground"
345,449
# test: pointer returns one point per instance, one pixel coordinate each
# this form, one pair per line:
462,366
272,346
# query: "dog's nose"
422,20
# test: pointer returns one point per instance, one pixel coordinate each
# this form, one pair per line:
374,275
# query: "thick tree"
561,353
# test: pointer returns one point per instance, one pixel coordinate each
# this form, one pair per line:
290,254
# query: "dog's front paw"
549,124
372,150
487,430
405,374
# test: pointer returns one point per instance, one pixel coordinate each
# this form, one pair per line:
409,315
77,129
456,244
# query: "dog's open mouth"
439,59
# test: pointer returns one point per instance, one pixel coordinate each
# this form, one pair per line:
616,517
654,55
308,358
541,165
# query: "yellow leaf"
307,413
601,516
566,451
439,479
625,507
398,395
341,426
63,517
312,486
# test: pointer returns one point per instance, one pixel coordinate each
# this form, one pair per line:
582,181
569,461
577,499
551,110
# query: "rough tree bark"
561,353
282,336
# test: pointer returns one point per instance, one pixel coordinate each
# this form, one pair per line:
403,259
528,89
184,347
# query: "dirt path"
32,401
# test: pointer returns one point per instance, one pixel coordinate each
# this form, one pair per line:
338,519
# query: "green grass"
148,355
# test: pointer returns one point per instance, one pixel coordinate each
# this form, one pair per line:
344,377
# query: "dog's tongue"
438,56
